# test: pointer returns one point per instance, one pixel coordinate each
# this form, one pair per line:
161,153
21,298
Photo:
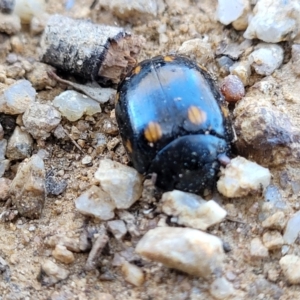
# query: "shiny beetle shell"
174,123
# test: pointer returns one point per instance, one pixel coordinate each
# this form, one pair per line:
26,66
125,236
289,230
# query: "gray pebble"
3,145
266,58
55,186
117,228
95,202
19,145
51,273
296,58
40,119
225,63
122,183
16,98
74,105
4,165
29,200
87,160
274,21
189,250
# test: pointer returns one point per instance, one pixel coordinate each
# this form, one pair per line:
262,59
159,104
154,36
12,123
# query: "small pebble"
189,250
134,10
71,243
230,276
97,203
4,188
257,250
108,126
99,142
242,177
55,186
59,132
260,288
133,274
38,76
38,24
3,146
123,184
113,143
40,119
104,296
26,64
266,58
295,185
87,160
7,6
17,44
292,229
191,210
9,23
273,196
15,71
296,59
62,254
11,58
273,240
274,21
221,288
198,48
74,105
31,228
273,275
30,200
227,12
4,166
224,63
290,265
20,145
117,228
26,10
53,272
16,98
275,221
130,221
242,69
265,130
232,88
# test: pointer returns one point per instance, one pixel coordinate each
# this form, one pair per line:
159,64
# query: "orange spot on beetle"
137,70
168,58
225,111
128,146
153,132
196,115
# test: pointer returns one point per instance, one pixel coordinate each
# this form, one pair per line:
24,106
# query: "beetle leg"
224,159
153,178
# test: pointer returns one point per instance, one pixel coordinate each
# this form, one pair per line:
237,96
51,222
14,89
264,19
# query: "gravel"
256,244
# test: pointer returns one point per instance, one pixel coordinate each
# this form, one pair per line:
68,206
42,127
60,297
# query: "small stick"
92,90
95,52
94,254
73,141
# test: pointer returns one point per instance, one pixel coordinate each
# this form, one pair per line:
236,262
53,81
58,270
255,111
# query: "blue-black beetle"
174,123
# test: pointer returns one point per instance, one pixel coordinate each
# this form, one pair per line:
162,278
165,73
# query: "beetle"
174,123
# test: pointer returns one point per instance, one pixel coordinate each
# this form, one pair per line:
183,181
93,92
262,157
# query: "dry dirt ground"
22,241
